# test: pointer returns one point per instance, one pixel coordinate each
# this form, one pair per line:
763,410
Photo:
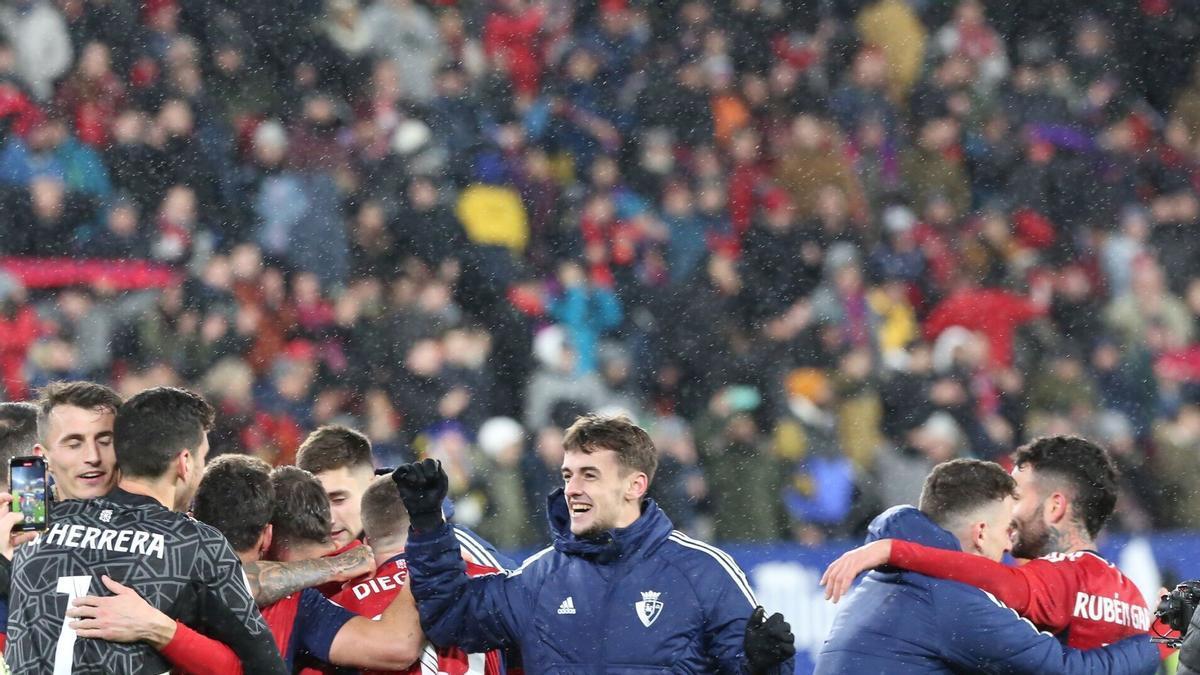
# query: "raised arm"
474,614
271,582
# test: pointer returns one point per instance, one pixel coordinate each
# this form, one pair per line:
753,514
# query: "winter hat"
499,433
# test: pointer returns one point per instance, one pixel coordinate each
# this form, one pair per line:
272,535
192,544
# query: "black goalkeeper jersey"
183,567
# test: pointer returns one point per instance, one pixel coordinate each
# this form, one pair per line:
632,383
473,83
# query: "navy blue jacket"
903,622
642,599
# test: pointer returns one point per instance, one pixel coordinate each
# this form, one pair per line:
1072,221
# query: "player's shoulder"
688,551
1077,560
704,564
540,563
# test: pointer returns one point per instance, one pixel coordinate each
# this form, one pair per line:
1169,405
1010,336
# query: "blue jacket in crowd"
903,622
643,599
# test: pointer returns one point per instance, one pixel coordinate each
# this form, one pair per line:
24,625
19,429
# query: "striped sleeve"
723,559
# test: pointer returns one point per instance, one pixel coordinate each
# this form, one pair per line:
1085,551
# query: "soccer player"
75,435
1066,491
903,622
618,591
341,459
292,524
135,537
385,522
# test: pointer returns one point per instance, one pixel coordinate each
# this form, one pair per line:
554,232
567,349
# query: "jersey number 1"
64,654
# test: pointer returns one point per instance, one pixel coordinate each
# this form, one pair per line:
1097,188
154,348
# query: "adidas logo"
567,606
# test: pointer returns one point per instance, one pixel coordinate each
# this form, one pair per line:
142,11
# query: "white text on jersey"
1111,610
103,539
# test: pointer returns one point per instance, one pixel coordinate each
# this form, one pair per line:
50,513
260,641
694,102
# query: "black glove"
423,486
768,643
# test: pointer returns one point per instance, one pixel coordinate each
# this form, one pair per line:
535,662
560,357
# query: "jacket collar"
910,524
651,528
119,496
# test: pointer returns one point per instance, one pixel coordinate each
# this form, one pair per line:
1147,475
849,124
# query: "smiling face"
601,494
78,447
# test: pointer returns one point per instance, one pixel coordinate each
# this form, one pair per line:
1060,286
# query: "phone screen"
27,476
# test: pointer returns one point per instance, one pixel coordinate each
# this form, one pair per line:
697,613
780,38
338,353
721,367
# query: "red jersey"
1081,597
369,597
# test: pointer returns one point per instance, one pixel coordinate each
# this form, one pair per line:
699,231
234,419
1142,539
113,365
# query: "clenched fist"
423,486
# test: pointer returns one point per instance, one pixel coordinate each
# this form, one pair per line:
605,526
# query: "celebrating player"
652,598
385,522
902,622
133,538
75,435
1066,491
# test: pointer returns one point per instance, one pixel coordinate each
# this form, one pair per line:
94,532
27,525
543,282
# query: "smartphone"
27,479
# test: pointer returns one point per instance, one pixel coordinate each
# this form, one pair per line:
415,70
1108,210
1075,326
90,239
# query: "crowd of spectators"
814,247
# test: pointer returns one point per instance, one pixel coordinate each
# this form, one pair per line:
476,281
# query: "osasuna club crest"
649,607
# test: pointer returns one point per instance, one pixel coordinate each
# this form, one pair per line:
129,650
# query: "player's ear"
1056,508
978,531
264,540
183,465
638,486
38,450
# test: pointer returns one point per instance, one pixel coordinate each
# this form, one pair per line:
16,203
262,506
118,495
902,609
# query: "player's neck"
382,555
1069,540
158,490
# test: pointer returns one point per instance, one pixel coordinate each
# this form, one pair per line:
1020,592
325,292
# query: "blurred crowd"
815,247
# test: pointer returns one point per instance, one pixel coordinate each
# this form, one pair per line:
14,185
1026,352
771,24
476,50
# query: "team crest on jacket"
649,607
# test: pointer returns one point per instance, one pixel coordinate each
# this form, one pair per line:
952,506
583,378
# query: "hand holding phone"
27,482
11,538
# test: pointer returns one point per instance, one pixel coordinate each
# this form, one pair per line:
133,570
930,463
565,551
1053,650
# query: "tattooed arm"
273,581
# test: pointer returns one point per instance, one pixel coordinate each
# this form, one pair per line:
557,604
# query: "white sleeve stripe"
722,554
732,569
1027,622
713,549
530,560
482,556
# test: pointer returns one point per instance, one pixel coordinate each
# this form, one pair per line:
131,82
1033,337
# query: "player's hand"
9,540
357,562
840,576
423,486
123,616
768,642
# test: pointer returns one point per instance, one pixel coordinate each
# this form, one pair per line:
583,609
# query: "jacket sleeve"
982,635
730,601
227,611
1040,590
474,614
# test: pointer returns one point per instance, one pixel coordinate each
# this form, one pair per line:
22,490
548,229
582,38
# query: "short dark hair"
956,488
18,432
334,446
301,511
237,497
1085,466
592,433
155,425
80,394
384,515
